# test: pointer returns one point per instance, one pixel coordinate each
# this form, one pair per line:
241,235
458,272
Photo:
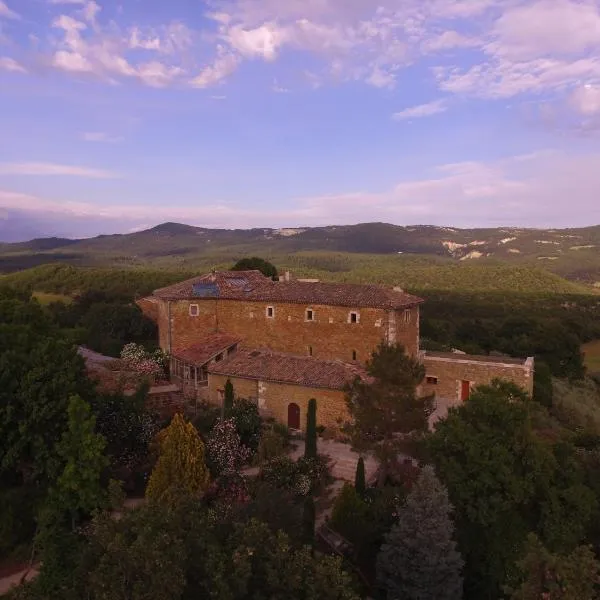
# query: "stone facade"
338,326
451,376
274,398
330,335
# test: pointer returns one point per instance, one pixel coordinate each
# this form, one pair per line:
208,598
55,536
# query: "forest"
500,501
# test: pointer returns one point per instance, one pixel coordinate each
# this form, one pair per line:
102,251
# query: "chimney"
287,276
397,288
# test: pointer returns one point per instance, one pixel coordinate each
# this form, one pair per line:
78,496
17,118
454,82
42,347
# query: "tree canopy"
383,411
256,264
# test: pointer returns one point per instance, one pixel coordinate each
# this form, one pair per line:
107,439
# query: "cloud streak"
422,110
38,169
516,191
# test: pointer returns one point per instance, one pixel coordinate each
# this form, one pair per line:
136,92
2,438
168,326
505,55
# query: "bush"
17,517
271,445
206,418
281,472
247,422
226,453
349,515
317,471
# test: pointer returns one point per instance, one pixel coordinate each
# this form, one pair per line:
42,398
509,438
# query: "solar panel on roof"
205,290
239,282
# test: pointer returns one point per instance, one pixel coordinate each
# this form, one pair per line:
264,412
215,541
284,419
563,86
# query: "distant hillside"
570,253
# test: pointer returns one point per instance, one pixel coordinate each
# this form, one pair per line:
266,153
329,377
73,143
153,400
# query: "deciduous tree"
574,576
78,489
419,559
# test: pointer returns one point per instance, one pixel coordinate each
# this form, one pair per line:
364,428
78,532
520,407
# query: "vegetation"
389,406
498,470
419,559
256,264
557,577
228,398
310,448
360,484
180,470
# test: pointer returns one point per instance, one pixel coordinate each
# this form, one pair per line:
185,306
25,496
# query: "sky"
117,115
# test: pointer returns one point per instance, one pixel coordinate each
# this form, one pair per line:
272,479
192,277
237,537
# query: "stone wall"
451,372
274,398
329,336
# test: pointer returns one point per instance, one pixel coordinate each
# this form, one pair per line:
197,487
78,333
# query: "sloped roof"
206,348
254,286
307,371
483,358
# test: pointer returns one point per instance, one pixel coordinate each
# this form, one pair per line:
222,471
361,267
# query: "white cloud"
6,12
422,110
223,66
100,136
67,1
156,74
10,64
586,100
262,42
448,40
49,169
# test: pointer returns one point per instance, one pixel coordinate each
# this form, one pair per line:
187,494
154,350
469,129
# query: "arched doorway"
293,416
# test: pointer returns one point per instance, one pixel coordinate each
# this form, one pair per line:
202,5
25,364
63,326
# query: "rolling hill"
375,251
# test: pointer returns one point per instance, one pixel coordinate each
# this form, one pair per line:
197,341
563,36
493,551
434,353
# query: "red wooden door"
465,390
293,416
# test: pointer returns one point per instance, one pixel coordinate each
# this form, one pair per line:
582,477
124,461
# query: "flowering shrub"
248,422
137,359
301,478
316,470
226,453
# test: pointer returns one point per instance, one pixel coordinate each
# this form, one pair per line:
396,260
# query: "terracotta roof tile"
266,365
206,348
252,286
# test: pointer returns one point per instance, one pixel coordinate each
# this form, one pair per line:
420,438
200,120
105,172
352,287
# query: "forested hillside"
570,253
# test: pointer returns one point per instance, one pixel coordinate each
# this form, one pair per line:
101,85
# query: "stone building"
284,342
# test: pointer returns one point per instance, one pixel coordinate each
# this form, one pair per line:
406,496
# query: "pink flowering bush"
226,453
137,359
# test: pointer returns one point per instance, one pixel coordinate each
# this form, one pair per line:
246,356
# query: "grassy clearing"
45,298
592,356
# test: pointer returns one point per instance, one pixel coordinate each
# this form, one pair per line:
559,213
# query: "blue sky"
118,115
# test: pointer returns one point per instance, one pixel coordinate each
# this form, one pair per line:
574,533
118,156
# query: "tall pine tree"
419,559
310,448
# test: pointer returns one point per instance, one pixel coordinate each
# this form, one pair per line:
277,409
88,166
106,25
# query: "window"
270,312
353,317
310,314
194,310
353,354
310,351
407,316
432,380
219,357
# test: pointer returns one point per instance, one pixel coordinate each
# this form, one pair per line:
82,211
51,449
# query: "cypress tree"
228,399
310,448
360,484
419,559
308,519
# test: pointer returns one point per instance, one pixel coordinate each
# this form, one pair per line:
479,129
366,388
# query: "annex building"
284,342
